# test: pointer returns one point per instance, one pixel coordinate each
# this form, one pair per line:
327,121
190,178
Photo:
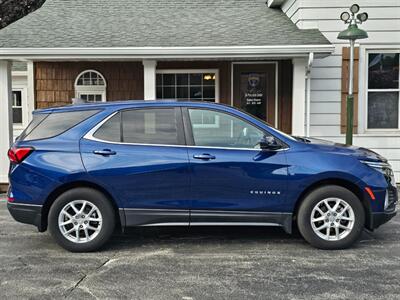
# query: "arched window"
90,86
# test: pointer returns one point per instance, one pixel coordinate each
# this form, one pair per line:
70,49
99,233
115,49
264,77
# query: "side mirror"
269,143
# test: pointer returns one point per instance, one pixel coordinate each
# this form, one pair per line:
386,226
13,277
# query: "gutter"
254,52
308,92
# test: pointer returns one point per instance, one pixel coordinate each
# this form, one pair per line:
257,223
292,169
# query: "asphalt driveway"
200,263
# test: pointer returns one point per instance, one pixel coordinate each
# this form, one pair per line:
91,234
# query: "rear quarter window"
50,125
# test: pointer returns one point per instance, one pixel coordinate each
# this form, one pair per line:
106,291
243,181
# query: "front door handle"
204,156
104,152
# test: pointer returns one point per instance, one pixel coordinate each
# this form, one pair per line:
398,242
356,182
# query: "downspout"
308,92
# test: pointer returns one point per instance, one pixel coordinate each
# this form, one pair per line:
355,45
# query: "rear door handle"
204,156
104,152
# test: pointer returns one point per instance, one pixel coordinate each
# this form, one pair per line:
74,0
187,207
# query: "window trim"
194,71
178,117
91,89
19,107
366,53
187,132
24,105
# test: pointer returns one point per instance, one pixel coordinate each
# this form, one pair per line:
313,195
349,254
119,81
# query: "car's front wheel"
81,219
331,217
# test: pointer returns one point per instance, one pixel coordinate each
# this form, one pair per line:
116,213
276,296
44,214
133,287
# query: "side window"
51,125
17,106
150,126
110,130
228,131
383,93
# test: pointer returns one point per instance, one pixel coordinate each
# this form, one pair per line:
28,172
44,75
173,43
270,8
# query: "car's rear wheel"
81,219
331,217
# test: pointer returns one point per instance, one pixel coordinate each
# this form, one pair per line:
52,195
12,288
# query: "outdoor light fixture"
355,8
345,16
352,33
362,17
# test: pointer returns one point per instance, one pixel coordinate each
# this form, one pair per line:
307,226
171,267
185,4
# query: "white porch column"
299,96
6,123
149,70
31,90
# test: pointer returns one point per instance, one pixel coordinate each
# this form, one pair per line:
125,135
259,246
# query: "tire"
331,229
86,230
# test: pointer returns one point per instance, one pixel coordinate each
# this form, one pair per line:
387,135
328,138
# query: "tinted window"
57,123
110,130
215,129
36,120
150,126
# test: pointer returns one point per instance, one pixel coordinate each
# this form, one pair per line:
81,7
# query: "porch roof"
155,23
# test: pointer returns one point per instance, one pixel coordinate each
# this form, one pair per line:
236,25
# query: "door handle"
104,152
204,156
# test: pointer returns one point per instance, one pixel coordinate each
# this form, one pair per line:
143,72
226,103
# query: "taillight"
17,155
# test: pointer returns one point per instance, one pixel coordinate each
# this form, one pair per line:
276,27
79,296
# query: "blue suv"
81,171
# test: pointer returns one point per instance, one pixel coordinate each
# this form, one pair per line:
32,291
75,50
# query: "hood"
338,148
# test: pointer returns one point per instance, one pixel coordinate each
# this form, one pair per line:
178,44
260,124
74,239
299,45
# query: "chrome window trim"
24,204
165,224
234,224
90,136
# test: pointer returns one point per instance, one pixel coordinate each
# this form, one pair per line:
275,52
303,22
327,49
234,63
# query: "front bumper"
381,218
26,213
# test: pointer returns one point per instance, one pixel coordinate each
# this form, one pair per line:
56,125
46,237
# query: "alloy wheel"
80,221
332,219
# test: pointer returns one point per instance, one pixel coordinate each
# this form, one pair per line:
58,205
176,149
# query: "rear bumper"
27,213
381,218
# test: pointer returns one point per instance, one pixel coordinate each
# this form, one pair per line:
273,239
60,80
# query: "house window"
17,107
187,85
383,90
90,86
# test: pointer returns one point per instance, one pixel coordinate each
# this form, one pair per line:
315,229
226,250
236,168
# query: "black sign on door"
253,97
254,89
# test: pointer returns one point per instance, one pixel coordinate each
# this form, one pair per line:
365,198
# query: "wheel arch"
77,184
340,182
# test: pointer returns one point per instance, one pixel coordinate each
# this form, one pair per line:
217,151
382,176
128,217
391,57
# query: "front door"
231,178
254,89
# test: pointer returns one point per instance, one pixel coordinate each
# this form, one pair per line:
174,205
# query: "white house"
212,51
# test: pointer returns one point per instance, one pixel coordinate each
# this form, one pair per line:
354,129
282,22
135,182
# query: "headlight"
382,167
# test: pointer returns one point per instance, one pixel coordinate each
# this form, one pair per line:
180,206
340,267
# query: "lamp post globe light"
352,33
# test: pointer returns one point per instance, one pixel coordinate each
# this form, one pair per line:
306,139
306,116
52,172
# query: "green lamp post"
352,33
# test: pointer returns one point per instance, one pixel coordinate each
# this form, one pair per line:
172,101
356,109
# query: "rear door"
140,155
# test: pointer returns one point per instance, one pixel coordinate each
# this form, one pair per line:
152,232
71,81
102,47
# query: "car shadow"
147,236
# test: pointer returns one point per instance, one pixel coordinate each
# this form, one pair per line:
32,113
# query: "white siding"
383,29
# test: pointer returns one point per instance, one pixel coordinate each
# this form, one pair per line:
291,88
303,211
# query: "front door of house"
254,89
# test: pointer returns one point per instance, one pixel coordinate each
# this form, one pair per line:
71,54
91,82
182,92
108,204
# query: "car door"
231,178
140,155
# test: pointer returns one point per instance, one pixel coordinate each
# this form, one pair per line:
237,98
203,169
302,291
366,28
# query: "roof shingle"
155,23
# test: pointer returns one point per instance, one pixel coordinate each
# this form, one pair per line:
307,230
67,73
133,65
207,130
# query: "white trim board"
166,52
